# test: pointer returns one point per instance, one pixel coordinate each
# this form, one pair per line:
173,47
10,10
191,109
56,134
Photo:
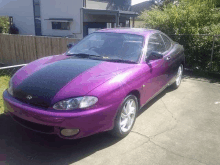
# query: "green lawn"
3,85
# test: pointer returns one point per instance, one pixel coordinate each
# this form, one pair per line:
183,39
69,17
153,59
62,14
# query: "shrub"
189,17
4,24
13,29
4,84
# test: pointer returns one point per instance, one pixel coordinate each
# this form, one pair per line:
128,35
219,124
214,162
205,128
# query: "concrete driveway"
180,127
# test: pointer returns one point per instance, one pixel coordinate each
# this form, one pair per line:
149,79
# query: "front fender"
116,89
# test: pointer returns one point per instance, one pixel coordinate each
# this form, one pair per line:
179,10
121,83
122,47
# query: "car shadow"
155,99
23,146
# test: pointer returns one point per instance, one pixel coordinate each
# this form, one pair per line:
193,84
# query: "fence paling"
18,49
213,44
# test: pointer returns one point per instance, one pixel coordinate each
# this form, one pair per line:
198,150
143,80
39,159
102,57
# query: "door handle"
168,58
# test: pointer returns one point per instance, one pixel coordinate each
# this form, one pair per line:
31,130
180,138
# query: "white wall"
22,13
61,9
96,5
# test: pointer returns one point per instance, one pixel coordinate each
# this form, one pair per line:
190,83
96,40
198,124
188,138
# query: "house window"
61,25
37,10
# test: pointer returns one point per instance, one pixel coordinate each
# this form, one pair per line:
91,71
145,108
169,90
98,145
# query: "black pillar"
133,22
117,19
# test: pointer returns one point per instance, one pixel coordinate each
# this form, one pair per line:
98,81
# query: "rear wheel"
126,117
179,74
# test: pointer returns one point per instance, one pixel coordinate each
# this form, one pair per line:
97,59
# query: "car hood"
55,78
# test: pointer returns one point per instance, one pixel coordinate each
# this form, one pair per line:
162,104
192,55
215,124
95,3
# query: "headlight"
74,103
10,88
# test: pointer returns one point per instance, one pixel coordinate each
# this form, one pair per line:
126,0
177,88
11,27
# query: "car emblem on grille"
29,97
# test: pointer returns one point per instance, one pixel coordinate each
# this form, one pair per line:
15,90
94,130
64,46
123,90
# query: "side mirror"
154,56
70,45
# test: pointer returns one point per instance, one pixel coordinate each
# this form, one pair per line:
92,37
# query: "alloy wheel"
128,115
179,75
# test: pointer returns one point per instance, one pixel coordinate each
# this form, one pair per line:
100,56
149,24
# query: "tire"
126,117
178,79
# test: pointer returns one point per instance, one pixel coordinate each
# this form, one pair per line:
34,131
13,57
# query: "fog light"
69,132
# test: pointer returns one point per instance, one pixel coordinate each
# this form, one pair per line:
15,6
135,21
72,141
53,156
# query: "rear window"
166,41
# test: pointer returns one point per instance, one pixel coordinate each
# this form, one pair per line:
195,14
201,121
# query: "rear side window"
155,43
167,42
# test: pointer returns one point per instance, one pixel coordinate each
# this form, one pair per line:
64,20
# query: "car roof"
138,31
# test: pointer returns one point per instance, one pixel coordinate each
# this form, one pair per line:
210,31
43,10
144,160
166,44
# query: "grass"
3,85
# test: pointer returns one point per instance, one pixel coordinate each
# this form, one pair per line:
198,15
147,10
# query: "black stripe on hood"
45,83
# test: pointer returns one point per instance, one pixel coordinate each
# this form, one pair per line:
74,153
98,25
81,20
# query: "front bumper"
50,121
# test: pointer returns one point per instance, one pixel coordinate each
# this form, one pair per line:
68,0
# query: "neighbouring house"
72,18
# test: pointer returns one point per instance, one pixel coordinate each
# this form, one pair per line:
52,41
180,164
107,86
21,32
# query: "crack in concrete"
176,153
150,138
184,96
141,134
153,136
163,148
168,110
138,145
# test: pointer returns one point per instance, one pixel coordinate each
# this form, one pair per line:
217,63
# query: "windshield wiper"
120,60
84,55
102,57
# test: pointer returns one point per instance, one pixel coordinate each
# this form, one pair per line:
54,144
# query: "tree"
161,4
186,17
189,17
4,24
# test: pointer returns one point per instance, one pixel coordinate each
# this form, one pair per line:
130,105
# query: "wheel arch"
137,94
116,131
183,63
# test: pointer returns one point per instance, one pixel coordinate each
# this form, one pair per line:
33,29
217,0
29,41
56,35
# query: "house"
73,18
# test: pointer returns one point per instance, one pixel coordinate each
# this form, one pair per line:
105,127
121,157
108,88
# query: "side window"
166,41
155,43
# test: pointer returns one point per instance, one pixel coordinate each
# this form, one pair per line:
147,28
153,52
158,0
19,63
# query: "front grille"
40,105
34,126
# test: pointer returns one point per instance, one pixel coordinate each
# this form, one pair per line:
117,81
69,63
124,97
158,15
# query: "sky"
133,2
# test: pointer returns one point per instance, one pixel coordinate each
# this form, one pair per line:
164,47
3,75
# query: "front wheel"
126,117
179,74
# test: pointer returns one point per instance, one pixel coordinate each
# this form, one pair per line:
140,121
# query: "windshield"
108,46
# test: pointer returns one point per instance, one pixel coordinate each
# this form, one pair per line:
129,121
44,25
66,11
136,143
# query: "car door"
170,57
156,77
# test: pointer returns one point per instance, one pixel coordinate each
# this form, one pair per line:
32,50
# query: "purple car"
98,85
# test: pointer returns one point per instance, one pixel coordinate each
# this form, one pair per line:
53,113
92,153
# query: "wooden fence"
18,49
